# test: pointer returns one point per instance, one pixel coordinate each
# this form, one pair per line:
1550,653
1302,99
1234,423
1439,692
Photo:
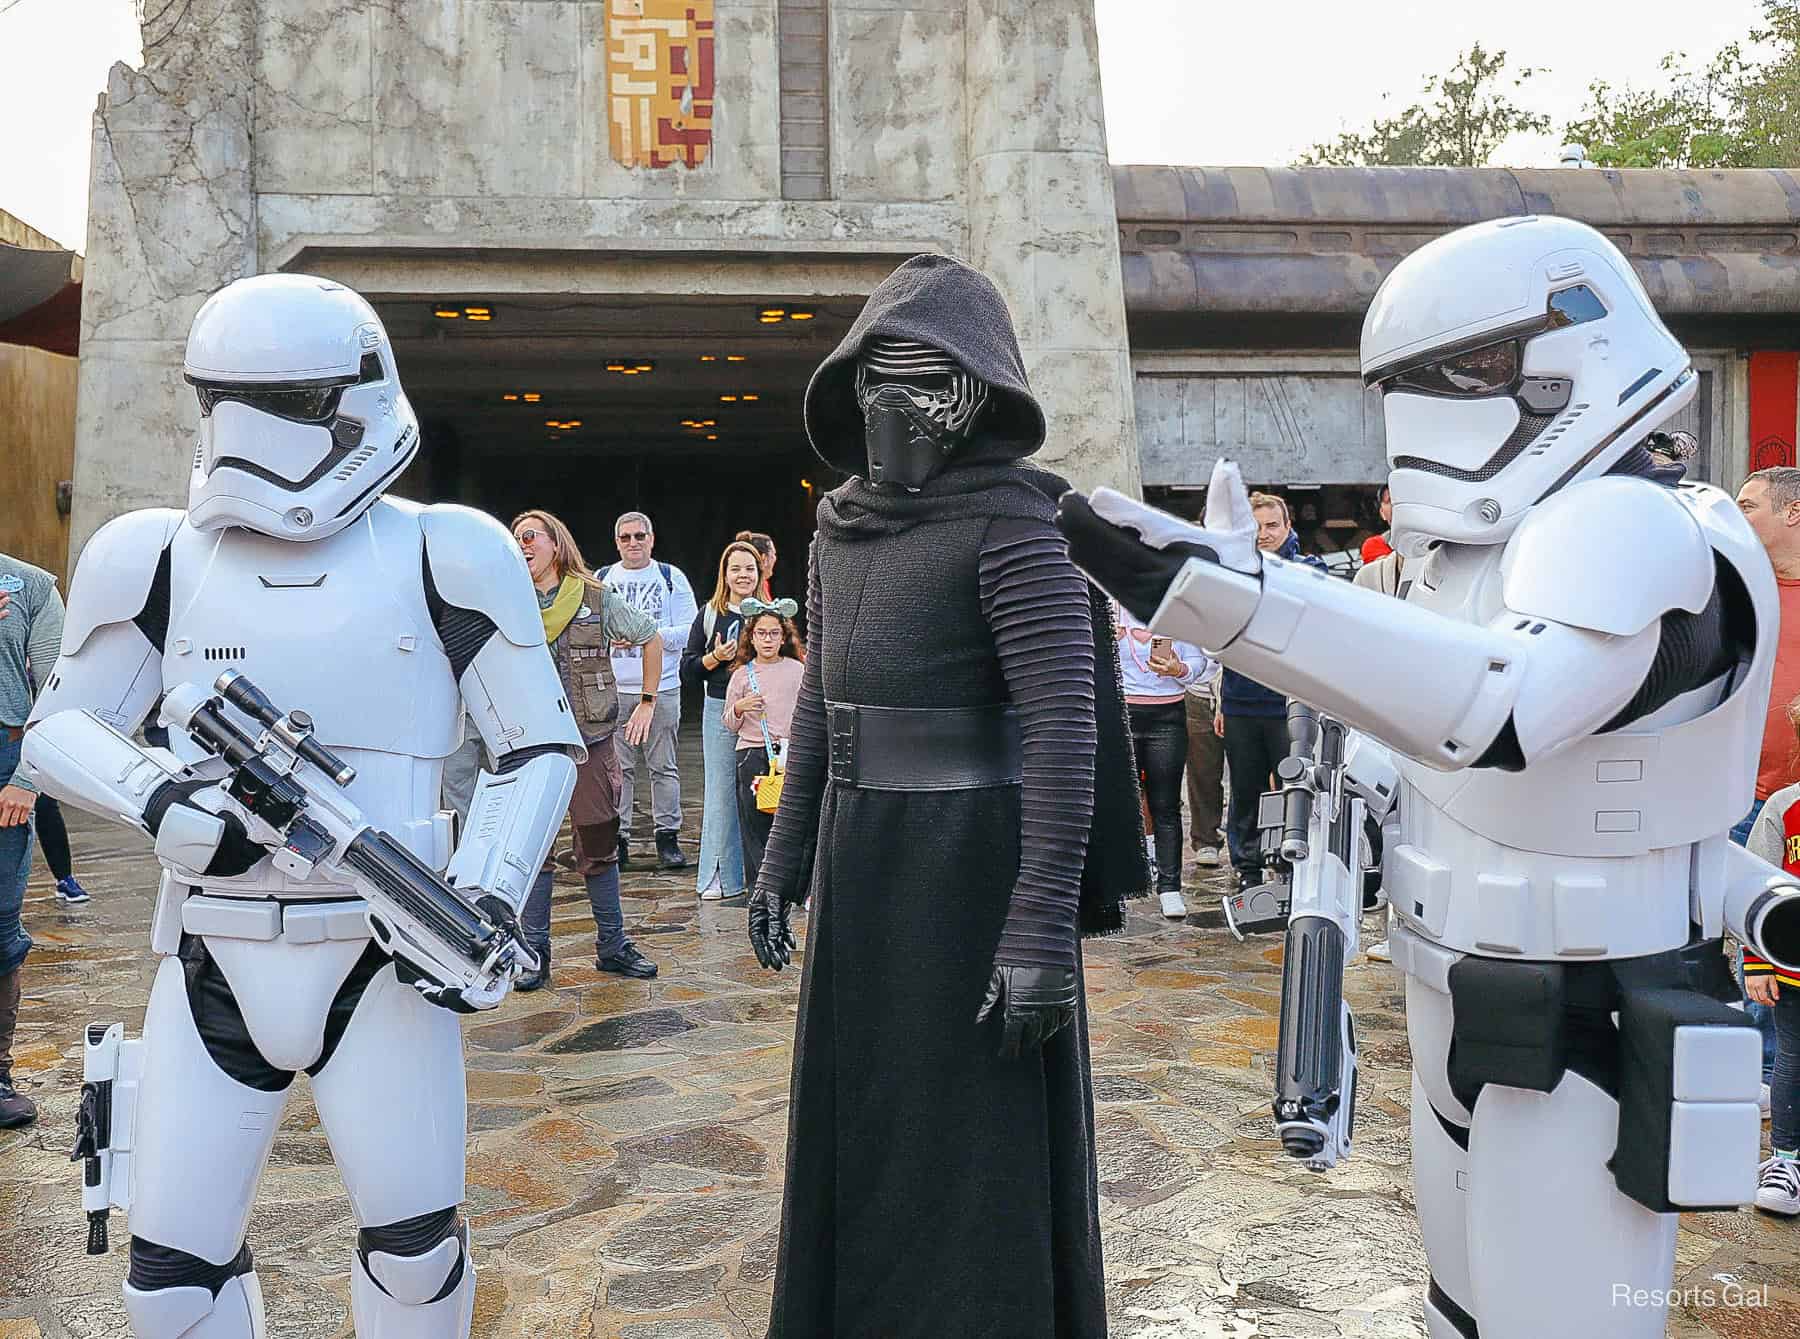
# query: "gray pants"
460,769
657,756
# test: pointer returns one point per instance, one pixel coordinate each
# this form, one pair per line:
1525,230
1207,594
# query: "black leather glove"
1034,1004
237,853
770,934
444,997
1128,569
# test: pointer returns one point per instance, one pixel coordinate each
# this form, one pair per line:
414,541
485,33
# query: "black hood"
944,303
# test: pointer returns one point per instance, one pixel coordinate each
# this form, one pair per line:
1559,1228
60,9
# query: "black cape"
934,1189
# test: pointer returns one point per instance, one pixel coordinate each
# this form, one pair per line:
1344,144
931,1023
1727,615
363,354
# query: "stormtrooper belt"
924,748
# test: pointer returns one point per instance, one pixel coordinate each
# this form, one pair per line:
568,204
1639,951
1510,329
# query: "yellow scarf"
561,611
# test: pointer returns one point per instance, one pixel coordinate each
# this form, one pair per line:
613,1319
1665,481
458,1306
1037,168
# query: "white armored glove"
1135,552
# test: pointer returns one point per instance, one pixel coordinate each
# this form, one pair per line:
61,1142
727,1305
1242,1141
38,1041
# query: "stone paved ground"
626,1144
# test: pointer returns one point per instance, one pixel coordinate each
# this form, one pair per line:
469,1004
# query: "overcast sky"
1187,81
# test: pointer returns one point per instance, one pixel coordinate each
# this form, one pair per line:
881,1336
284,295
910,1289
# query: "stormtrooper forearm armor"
513,819
1435,689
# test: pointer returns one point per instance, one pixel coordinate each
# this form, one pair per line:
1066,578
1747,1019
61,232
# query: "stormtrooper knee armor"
385,621
1576,676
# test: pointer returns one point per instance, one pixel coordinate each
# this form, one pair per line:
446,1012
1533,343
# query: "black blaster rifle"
465,950
1332,781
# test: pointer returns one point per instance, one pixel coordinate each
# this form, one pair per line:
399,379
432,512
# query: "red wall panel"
1774,406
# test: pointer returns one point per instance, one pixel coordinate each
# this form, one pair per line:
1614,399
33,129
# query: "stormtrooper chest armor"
1589,851
338,627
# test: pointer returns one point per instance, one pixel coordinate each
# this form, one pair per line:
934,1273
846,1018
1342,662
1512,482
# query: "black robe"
935,1189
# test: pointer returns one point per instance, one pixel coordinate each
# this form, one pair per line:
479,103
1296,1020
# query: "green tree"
1465,116
1741,110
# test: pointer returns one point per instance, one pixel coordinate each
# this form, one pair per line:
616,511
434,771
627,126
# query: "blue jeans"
15,867
1784,1086
603,898
1759,1014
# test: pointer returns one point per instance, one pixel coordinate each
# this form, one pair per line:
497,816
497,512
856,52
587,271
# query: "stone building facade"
474,147
547,198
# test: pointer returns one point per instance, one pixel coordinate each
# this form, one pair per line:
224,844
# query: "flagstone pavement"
626,1142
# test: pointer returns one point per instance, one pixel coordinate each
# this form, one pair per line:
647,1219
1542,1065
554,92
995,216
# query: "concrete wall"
170,220
37,442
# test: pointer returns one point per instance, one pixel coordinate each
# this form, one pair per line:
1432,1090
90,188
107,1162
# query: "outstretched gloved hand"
770,934
1033,1004
1134,551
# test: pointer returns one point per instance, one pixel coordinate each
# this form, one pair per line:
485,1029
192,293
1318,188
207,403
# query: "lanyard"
762,717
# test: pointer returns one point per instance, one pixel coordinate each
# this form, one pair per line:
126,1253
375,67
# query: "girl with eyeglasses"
759,706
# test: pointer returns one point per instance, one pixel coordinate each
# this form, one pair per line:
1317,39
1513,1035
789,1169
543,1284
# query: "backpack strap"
668,581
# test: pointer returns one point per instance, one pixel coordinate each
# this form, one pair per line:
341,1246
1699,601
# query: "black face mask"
905,445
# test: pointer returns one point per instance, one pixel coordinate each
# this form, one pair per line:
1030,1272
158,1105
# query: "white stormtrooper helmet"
1514,357
302,419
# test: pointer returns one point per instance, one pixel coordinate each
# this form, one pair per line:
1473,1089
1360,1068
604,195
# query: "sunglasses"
527,535
633,536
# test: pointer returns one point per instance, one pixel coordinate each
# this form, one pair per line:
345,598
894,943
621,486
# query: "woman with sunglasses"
582,620
759,707
711,657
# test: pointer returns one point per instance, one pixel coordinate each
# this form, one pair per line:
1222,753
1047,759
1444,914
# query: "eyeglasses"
767,632
526,536
633,536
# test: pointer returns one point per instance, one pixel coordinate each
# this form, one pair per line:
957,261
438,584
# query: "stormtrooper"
1575,680
384,620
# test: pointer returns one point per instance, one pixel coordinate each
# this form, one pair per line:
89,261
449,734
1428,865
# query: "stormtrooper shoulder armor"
1609,555
117,572
475,564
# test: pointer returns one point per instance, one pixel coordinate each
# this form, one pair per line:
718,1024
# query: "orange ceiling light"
532,397
446,313
800,316
736,357
751,399
712,436
777,312
728,399
709,357
509,396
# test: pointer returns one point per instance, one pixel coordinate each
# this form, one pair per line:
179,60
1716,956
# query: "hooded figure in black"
959,748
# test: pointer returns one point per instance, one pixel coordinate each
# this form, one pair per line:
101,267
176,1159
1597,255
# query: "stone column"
1042,223
171,219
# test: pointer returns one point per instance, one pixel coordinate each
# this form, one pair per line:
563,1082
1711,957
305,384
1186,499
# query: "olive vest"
583,657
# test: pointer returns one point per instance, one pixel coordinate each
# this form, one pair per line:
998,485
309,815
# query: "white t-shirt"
671,604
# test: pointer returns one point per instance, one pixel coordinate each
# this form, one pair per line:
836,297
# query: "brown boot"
15,1109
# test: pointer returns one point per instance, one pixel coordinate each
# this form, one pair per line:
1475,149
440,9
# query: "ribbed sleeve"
1037,605
797,820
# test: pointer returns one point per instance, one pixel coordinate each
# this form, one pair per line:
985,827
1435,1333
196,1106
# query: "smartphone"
1160,644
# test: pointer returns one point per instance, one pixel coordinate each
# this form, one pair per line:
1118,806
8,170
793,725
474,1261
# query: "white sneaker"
1172,905
1762,1101
1379,952
1778,1187
1208,856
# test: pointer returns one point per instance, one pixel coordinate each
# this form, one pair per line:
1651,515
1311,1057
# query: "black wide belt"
924,748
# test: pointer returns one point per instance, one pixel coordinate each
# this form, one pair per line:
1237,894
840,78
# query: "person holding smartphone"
711,657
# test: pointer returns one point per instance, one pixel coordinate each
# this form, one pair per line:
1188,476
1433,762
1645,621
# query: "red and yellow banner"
659,81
